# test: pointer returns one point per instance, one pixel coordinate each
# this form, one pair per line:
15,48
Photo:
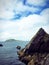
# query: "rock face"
36,51
39,43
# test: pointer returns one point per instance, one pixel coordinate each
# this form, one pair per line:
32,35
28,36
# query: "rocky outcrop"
36,51
18,47
39,43
1,45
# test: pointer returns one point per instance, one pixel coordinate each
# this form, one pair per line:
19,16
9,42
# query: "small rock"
18,47
1,45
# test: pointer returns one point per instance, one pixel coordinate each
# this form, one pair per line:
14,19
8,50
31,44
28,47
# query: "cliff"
36,51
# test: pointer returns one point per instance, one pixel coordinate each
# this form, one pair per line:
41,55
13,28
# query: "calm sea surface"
8,53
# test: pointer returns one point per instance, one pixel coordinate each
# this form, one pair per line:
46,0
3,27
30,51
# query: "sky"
21,19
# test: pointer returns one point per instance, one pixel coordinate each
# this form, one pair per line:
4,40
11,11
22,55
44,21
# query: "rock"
36,50
39,43
21,53
26,58
1,45
31,62
18,47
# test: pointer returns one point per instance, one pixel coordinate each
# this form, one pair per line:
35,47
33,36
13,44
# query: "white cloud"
45,14
37,2
45,11
25,28
6,14
7,7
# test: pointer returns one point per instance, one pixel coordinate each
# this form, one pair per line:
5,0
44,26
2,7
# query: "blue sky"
21,19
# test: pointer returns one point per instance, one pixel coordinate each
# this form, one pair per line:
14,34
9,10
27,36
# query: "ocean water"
8,53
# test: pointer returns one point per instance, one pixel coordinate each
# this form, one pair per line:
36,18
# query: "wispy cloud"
16,9
36,2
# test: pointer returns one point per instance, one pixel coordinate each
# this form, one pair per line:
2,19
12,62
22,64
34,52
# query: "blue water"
8,53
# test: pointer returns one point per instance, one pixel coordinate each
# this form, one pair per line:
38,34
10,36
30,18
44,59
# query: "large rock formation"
36,51
39,43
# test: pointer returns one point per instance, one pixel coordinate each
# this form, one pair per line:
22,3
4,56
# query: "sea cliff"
36,52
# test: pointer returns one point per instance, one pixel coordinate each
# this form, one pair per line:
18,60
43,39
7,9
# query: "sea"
8,53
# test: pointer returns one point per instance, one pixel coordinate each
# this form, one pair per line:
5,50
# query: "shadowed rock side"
36,51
